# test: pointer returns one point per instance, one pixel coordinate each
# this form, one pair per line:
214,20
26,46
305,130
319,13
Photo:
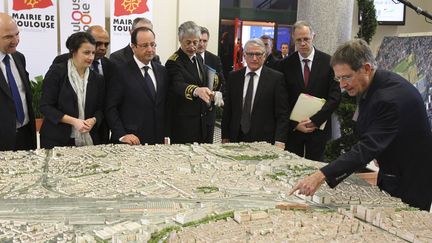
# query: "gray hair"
204,30
301,24
255,42
138,20
189,28
355,54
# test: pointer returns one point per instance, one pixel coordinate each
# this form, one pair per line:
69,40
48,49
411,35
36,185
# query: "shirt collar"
310,57
2,56
257,72
140,64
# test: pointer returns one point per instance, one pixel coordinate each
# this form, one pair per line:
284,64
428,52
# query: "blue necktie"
95,66
149,83
14,90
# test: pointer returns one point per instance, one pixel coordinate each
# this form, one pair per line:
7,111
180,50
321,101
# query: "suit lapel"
3,84
158,80
240,89
203,70
314,71
261,86
138,77
23,75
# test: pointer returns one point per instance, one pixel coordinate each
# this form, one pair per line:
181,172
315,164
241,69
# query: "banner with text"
123,12
79,15
37,23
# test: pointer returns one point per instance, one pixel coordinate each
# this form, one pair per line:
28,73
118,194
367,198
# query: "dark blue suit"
393,129
130,109
7,110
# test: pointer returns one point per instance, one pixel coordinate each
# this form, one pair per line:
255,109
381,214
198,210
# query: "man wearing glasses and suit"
308,71
256,102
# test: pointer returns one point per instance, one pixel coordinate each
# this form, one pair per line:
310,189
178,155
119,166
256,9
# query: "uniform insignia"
216,82
189,91
173,57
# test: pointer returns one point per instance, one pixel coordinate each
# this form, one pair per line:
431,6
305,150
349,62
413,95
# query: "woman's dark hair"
74,41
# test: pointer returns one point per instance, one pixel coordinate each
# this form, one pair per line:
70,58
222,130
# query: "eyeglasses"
99,43
252,54
145,45
189,42
301,40
345,78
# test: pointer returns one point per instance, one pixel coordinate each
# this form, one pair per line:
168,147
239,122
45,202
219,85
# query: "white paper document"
307,106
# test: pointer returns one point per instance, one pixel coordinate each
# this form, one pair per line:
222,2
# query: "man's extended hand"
204,93
309,185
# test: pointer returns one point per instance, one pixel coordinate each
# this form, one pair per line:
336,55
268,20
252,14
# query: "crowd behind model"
131,98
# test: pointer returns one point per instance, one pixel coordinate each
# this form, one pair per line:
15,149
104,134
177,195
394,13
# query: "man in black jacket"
214,62
17,125
393,129
256,102
308,71
190,98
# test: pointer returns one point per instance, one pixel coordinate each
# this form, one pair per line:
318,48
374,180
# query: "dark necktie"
245,121
306,72
195,61
149,83
14,90
95,66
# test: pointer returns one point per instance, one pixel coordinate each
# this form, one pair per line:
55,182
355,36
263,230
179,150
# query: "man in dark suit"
214,63
190,97
256,102
101,65
17,125
126,54
308,71
135,107
392,126
272,55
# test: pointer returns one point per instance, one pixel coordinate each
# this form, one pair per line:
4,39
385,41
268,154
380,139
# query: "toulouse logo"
128,7
30,4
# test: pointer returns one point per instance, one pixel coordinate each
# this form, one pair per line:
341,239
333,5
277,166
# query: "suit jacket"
188,113
393,129
125,54
130,108
272,59
59,99
214,62
7,107
269,117
321,84
108,70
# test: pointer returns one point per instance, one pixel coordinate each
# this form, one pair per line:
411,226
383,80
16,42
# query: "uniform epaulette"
216,82
189,91
173,57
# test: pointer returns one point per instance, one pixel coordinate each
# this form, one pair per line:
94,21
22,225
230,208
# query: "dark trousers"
24,138
310,146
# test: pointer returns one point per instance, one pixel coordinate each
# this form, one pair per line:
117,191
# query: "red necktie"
306,72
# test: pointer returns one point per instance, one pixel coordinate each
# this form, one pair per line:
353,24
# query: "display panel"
389,12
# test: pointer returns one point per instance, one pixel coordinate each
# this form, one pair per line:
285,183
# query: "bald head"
102,40
9,34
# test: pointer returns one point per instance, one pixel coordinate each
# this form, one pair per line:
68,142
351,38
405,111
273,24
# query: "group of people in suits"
136,100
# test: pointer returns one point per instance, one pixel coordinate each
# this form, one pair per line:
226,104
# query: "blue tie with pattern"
14,90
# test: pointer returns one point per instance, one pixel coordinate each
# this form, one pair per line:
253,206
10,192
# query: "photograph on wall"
411,58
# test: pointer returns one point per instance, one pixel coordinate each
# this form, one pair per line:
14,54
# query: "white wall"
414,23
169,14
